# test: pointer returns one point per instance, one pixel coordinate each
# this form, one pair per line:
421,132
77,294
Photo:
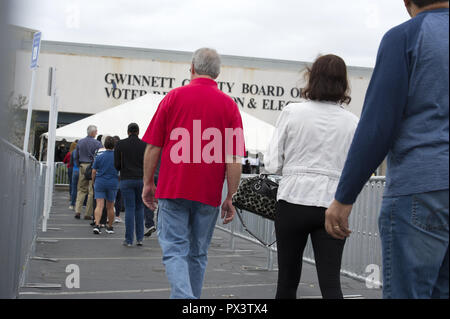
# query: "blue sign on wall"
35,49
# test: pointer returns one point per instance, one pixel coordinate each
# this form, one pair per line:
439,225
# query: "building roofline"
18,27
167,55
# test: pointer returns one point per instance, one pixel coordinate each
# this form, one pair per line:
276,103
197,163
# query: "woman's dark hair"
109,143
99,137
423,3
116,140
133,128
327,80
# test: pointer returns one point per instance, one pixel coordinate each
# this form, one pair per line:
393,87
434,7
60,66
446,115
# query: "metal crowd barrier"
21,211
61,174
362,248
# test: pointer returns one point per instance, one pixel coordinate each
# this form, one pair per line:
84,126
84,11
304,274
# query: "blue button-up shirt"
86,148
406,112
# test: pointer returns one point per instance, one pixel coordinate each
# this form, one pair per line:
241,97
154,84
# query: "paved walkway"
110,270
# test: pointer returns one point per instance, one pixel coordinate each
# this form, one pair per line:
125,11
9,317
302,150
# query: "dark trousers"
293,225
70,173
118,203
149,215
104,218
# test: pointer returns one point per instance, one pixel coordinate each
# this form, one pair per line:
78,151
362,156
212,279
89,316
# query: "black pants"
293,225
118,203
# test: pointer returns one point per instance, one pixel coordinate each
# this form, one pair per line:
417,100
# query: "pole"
41,148
29,112
34,63
49,178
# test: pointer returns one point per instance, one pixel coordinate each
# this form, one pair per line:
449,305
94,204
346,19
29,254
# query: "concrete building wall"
92,78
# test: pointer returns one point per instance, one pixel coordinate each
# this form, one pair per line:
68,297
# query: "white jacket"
309,148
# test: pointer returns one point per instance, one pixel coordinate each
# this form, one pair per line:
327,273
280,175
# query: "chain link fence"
21,211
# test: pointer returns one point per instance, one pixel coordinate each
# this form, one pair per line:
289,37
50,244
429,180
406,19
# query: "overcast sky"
277,29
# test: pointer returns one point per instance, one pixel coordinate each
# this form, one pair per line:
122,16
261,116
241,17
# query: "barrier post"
50,176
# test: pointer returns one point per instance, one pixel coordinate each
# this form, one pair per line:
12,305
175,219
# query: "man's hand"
228,211
148,196
151,157
336,220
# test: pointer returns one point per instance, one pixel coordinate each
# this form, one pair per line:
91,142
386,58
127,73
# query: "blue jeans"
185,229
74,187
131,190
414,236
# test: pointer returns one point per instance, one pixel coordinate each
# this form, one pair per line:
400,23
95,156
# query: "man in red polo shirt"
197,130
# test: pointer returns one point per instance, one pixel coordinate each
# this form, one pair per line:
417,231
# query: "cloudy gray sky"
278,29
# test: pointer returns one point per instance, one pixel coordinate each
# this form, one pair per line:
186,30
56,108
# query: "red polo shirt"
193,125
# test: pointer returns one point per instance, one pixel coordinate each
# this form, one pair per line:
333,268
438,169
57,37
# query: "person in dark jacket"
128,160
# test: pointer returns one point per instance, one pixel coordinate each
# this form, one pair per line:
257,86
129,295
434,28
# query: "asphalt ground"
109,270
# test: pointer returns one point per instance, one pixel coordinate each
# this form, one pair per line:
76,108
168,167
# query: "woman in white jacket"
308,149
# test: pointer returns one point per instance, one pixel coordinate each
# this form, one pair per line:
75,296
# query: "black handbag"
88,172
257,195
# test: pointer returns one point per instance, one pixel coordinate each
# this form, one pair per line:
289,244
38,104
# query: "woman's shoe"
97,230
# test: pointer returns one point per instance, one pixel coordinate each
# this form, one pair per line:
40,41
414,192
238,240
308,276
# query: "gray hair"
91,128
206,61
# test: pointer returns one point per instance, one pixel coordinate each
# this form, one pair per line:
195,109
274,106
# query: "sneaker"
150,231
139,243
117,220
77,216
110,230
93,223
71,207
97,230
127,244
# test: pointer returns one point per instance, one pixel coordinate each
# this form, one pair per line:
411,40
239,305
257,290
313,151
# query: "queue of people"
111,173
324,154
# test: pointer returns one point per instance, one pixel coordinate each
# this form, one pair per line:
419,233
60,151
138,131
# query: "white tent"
114,121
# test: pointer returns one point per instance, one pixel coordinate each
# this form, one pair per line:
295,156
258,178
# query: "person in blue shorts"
106,181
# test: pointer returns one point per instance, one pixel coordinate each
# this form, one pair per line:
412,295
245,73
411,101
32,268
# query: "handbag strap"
239,213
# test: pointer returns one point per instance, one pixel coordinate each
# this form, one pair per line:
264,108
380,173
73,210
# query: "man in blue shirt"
86,148
406,117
